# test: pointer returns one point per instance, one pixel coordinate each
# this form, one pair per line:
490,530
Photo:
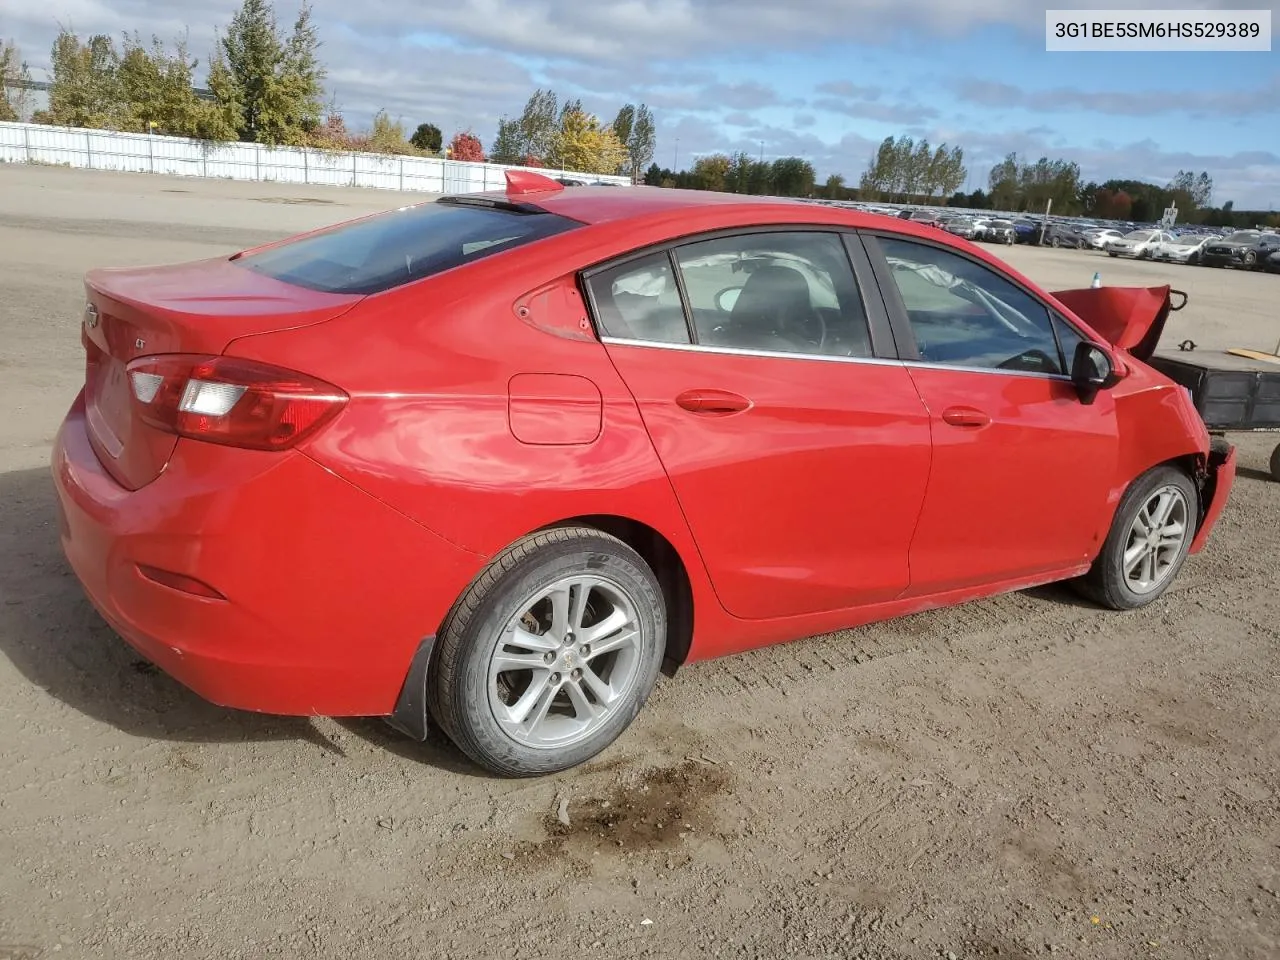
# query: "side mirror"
1092,369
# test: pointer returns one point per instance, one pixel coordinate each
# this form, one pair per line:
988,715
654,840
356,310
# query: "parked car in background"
1064,235
997,231
1098,239
1026,231
1188,248
961,227
1139,244
1244,249
297,485
1272,263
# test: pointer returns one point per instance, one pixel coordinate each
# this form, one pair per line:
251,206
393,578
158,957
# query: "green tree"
427,137
508,144
157,93
793,177
834,188
387,136
85,88
538,125
643,140
269,85
625,122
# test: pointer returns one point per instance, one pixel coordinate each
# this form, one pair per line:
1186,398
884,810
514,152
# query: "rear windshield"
402,246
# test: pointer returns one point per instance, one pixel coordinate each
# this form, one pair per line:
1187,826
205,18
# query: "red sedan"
498,460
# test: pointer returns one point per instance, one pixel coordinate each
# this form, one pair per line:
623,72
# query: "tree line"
266,85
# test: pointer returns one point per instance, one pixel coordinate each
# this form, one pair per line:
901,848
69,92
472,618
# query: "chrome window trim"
777,355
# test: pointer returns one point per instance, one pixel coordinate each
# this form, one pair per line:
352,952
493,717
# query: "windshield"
1245,236
408,244
1139,235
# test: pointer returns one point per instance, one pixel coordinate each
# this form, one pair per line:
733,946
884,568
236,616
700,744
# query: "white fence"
142,153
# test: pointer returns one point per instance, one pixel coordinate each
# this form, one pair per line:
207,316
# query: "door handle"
965,417
712,402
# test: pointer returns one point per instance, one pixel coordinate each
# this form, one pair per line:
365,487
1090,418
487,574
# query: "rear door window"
392,249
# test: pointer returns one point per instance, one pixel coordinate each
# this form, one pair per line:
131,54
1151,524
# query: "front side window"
965,314
780,292
639,300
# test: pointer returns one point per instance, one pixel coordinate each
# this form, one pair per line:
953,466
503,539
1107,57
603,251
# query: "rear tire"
550,654
1148,542
1275,463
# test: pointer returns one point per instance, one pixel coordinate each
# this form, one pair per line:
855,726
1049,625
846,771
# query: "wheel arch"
667,565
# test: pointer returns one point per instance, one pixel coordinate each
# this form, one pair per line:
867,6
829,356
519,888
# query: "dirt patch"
656,810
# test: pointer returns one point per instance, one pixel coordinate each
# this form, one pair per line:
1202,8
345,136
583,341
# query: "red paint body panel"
554,409
483,407
828,454
314,622
1020,496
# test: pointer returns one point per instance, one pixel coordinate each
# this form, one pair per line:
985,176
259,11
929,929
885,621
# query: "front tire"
550,654
1150,535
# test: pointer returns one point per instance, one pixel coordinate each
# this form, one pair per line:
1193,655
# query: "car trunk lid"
1130,318
193,308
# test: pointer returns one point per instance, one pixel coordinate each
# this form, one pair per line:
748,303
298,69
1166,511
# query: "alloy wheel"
1156,538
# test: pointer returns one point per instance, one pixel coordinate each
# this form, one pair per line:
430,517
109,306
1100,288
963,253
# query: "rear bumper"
325,592
1217,490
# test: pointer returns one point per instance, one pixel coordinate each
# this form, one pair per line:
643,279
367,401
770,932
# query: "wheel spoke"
602,691
583,708
504,661
625,638
599,632
578,604
522,639
1141,523
1164,506
1148,575
541,708
1133,556
560,598
536,699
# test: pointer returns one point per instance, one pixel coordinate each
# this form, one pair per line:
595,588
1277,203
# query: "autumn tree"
427,138
387,136
711,172
585,145
466,146
13,75
269,84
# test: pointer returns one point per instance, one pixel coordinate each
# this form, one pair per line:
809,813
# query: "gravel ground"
1020,777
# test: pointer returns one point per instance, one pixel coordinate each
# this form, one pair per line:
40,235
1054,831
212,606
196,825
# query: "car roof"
601,204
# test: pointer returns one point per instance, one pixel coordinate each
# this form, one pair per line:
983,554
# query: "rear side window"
402,246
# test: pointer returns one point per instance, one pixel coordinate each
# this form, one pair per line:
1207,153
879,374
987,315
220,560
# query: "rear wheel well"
665,562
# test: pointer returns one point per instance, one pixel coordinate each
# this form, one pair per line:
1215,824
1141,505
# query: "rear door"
1021,468
796,443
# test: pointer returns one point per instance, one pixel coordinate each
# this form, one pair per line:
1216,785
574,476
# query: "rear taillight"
241,403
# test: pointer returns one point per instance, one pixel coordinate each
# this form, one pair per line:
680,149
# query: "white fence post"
88,149
26,142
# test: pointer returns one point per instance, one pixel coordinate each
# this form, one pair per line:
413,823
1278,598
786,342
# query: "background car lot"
991,776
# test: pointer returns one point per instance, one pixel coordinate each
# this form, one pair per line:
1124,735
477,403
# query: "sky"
826,80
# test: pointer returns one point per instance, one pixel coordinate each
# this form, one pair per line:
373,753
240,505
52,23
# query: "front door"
798,457
1021,468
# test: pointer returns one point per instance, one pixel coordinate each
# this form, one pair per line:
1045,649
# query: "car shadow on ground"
58,642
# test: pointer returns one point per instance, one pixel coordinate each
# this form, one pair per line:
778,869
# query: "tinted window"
639,300
404,245
965,314
783,292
